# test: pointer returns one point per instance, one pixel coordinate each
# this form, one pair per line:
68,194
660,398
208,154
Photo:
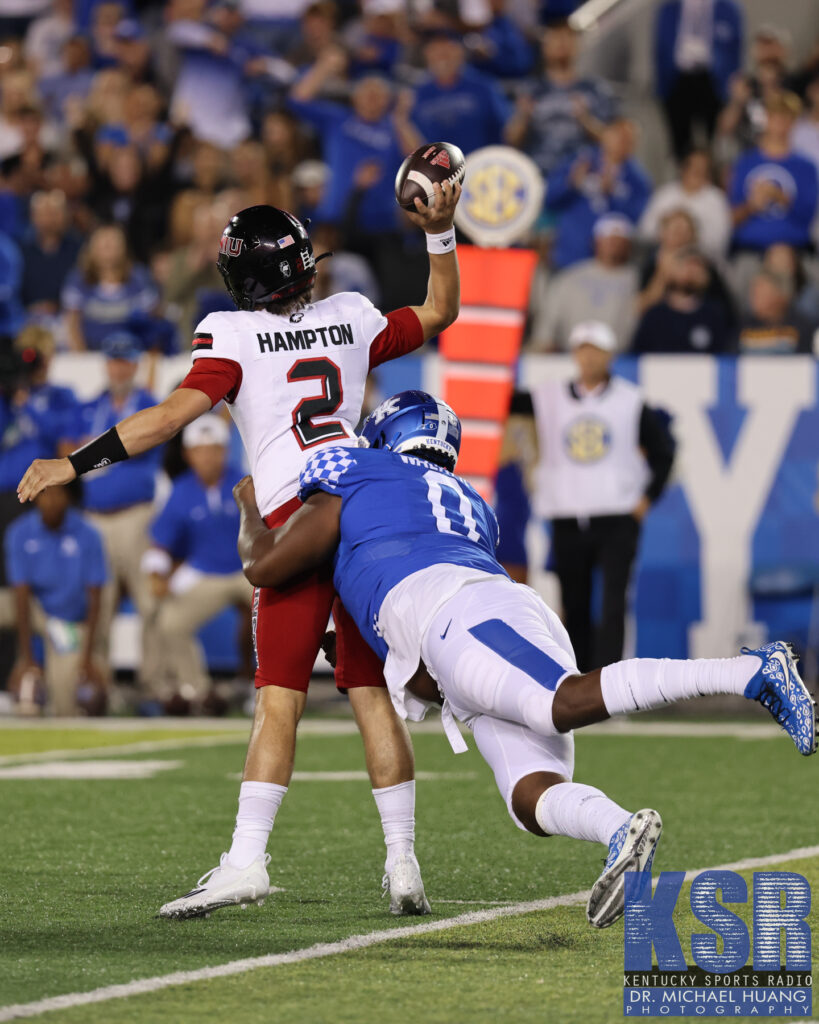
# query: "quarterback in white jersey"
293,374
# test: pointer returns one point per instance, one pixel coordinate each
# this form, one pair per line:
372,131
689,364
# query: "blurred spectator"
374,40
207,178
193,286
56,564
346,271
805,134
677,232
49,253
194,565
11,279
119,499
787,262
106,290
17,95
697,49
556,118
316,39
106,15
366,135
209,94
605,179
774,190
36,417
500,47
696,193
743,118
72,79
132,51
284,146
773,325
603,288
47,35
310,180
456,102
687,319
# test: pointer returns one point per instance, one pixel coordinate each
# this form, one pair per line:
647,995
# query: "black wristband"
104,450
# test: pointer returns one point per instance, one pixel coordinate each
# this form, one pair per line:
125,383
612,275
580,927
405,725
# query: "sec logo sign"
502,196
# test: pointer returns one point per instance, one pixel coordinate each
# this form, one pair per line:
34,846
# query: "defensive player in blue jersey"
414,563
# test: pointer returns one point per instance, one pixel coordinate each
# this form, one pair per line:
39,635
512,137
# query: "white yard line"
351,943
341,727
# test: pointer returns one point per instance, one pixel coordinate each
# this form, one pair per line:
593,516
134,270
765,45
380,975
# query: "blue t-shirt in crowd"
59,565
399,515
470,113
108,308
125,483
347,142
33,430
579,208
45,271
554,132
791,223
200,525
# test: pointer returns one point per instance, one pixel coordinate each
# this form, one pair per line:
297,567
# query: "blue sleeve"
169,528
321,114
16,561
638,194
559,190
734,52
94,566
324,470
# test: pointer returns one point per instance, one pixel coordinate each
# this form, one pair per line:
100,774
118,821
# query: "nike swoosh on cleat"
443,635
783,661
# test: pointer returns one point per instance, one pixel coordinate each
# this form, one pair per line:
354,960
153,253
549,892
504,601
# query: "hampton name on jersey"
400,515
296,382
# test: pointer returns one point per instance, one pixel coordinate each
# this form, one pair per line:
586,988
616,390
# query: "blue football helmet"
413,421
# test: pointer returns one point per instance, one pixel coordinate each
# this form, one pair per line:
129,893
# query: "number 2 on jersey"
306,432
462,521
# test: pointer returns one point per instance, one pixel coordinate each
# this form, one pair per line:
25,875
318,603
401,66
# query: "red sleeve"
217,378
402,334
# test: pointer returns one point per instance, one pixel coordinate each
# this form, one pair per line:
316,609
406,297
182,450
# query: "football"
434,161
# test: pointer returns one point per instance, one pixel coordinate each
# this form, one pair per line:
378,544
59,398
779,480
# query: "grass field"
87,862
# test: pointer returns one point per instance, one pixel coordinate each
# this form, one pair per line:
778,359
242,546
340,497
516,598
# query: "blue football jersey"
399,514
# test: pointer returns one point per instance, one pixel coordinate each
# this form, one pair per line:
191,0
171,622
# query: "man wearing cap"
603,458
603,288
119,499
193,562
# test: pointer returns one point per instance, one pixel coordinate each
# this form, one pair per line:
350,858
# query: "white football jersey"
302,383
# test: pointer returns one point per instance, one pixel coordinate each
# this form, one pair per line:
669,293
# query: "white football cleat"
631,848
223,886
406,888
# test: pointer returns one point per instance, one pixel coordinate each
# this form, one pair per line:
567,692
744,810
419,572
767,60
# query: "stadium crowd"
130,131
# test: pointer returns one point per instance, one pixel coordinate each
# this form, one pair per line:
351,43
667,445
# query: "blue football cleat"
631,848
778,687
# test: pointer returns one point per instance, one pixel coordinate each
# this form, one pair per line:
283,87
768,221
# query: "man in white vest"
603,459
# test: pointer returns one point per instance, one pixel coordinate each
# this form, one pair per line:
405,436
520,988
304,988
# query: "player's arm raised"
270,558
444,290
134,435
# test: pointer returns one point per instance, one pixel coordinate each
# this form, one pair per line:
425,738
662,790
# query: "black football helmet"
265,254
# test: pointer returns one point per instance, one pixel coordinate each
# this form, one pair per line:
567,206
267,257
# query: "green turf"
34,741
86,864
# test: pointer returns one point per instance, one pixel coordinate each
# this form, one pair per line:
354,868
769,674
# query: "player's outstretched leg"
532,772
767,675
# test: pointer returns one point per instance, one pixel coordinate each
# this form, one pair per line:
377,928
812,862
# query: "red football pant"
289,623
